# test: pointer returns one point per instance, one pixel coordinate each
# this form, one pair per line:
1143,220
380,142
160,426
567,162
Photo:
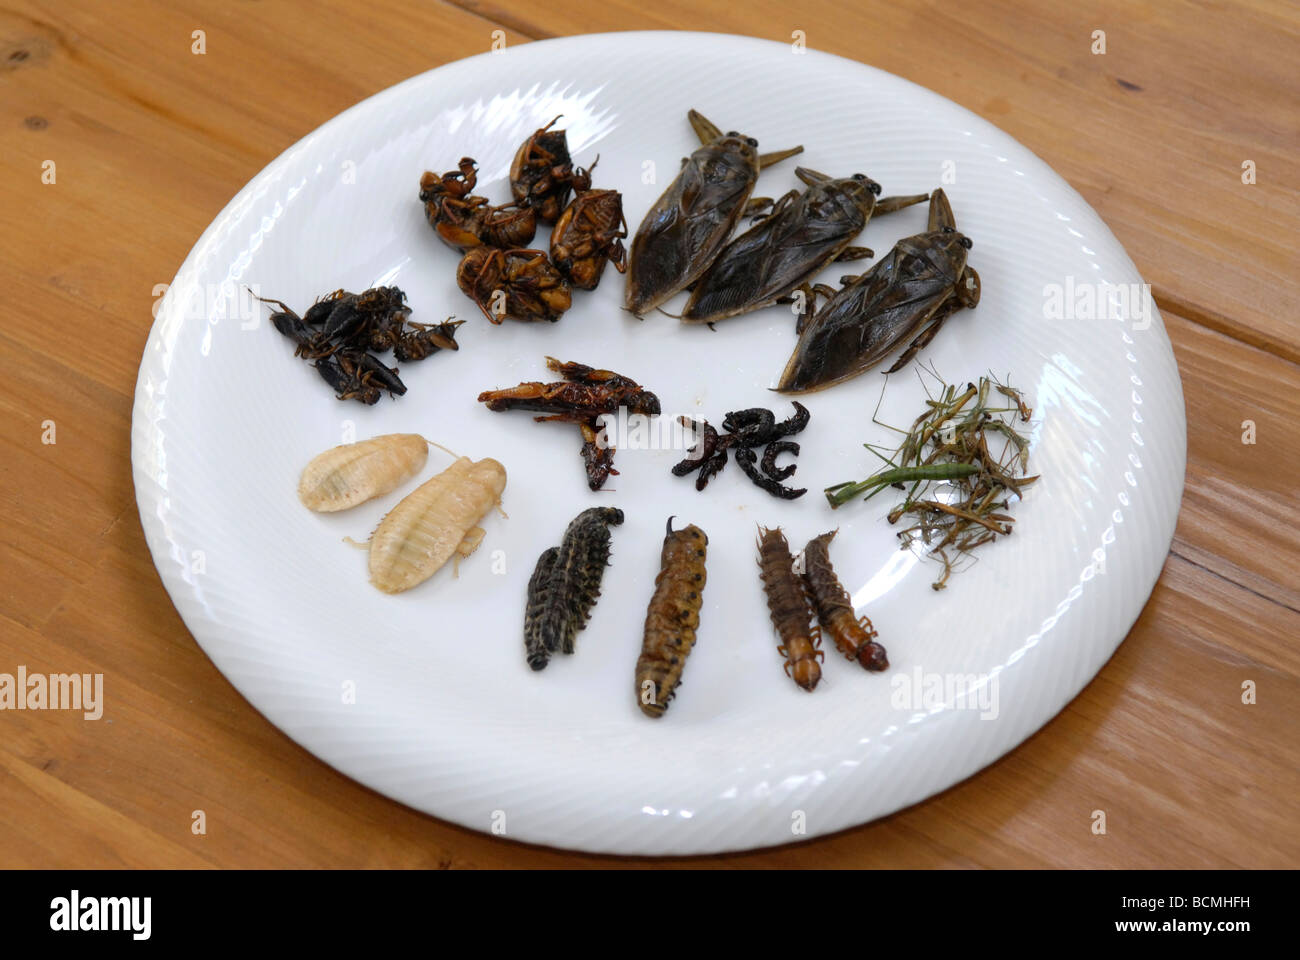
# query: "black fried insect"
423,339
341,333
344,382
774,450
319,311
564,587
702,451
712,467
794,424
748,460
672,618
357,375
539,599
749,428
746,429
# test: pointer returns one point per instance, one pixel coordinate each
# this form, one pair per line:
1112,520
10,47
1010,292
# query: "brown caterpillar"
855,638
791,609
565,585
672,619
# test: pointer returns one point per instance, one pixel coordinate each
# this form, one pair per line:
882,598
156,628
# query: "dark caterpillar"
855,638
539,597
791,609
565,585
672,619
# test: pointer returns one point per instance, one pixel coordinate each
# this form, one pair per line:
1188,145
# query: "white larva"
435,521
345,476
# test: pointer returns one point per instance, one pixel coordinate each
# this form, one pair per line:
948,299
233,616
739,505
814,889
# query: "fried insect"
774,450
597,455
463,220
344,381
436,520
566,584
543,173
583,397
791,609
799,236
923,281
672,618
746,429
357,375
588,235
748,460
345,476
539,601
854,636
584,393
341,333
520,284
423,340
687,227
510,226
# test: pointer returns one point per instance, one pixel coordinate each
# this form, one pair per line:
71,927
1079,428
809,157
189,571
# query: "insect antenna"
442,448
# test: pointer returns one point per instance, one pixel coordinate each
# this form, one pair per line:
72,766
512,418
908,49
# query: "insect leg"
890,204
467,546
855,253
925,336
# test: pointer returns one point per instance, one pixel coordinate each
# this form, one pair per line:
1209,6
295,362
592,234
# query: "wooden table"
150,140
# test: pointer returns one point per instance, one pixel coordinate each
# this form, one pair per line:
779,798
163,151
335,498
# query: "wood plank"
1153,133
1239,503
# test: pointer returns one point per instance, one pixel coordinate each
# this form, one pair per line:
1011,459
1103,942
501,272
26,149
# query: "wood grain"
151,141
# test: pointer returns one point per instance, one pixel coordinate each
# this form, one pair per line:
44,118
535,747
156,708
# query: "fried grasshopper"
800,235
688,226
922,281
582,397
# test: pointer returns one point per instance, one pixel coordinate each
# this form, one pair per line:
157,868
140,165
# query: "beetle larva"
672,619
855,638
437,519
566,584
791,609
343,477
539,598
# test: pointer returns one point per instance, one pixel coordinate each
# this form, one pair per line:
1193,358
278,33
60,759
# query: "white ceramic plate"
447,717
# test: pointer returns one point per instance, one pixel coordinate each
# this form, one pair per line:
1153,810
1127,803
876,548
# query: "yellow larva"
343,477
436,520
